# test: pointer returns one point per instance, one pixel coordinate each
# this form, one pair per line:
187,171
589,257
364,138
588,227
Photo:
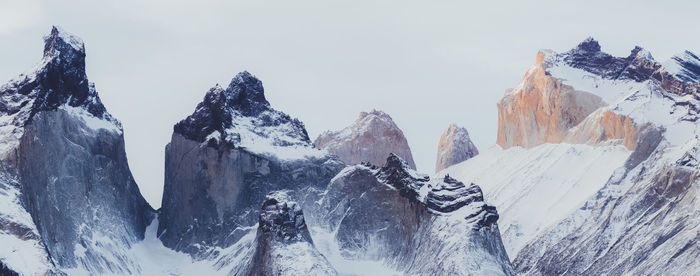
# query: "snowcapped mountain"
595,172
409,222
603,150
215,183
371,138
455,146
69,201
225,158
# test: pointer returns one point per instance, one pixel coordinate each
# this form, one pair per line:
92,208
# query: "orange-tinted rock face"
604,125
541,110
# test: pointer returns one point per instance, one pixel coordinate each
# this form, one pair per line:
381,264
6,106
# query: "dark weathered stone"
638,66
74,177
213,188
375,217
281,227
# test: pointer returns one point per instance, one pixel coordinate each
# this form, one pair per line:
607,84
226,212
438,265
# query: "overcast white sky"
426,63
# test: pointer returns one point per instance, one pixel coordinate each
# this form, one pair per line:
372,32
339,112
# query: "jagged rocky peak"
225,158
64,171
455,146
451,194
246,92
283,244
638,65
588,45
60,43
440,195
680,75
408,221
372,137
685,66
282,219
398,173
58,80
577,96
240,116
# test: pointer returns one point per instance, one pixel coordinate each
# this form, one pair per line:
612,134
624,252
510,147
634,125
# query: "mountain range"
594,171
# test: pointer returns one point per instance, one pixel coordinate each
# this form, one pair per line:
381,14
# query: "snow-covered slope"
371,138
22,248
616,192
536,188
395,219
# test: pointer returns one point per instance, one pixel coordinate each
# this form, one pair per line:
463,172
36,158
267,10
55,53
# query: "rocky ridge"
415,216
225,158
371,138
581,89
585,96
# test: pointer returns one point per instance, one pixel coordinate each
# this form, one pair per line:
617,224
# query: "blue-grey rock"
66,155
225,158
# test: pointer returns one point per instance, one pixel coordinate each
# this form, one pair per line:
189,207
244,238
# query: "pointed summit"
455,146
370,138
240,116
398,173
59,79
588,45
62,42
246,93
373,112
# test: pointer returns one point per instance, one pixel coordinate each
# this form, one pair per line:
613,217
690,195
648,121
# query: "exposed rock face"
232,115
643,220
23,249
454,147
541,110
6,271
283,242
545,106
65,154
604,125
413,224
372,137
222,161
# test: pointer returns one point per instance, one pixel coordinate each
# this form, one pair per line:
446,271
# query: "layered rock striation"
409,221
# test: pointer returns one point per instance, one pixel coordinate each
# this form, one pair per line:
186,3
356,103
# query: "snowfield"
535,188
